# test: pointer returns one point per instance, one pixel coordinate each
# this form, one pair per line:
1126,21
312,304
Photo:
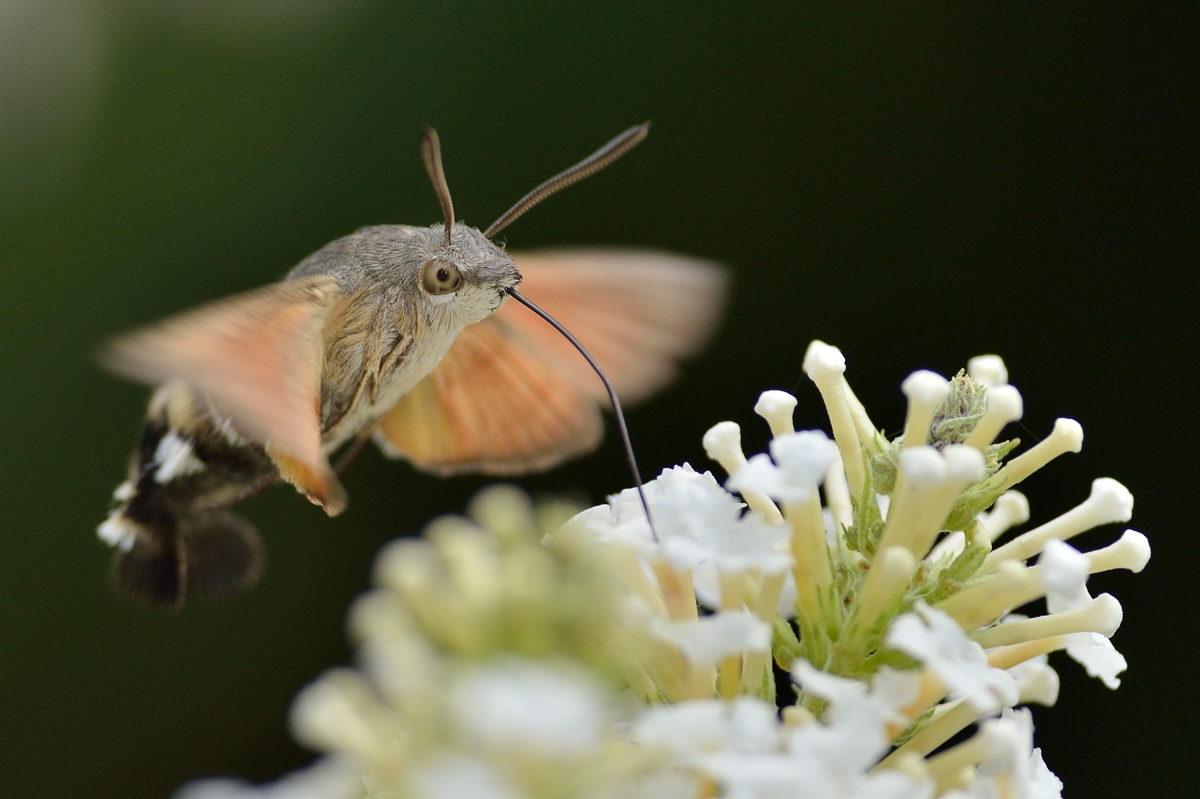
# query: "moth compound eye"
440,277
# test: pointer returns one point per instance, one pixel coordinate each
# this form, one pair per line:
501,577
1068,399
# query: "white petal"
530,705
786,606
455,776
1064,572
1009,742
936,640
1098,656
760,474
600,524
1043,784
804,457
706,582
856,714
950,546
759,776
689,728
709,640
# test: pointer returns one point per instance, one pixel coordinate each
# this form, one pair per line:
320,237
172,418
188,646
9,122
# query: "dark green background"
915,183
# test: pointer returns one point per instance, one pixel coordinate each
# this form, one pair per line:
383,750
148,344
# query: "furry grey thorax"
388,333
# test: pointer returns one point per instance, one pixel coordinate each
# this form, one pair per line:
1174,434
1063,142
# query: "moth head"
469,278
467,273
468,270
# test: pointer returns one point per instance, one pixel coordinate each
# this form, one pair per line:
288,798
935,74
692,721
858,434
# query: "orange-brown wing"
638,313
257,357
494,405
513,396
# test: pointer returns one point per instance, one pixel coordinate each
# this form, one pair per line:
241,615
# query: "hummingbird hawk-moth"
396,333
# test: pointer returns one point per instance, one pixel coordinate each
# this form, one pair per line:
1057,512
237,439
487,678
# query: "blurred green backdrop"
916,183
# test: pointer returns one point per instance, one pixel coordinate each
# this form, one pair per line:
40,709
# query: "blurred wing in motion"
513,395
494,405
637,312
256,357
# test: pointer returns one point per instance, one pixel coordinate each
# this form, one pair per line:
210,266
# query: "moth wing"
494,405
257,357
512,395
638,312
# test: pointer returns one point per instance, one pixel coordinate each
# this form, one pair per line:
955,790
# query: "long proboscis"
622,428
588,166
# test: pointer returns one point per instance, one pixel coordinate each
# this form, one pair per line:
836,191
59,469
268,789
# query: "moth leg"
353,451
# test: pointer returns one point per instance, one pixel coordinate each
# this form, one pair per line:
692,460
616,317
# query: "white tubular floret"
922,471
889,575
504,509
1109,502
776,407
837,494
1130,551
950,546
1039,684
825,366
339,713
1102,615
1012,585
988,370
1001,750
964,467
1067,436
1011,509
868,435
804,459
1060,575
954,718
1003,406
925,391
723,444
794,716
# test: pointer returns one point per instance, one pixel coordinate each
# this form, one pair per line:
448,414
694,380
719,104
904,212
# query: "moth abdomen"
171,529
209,555
146,565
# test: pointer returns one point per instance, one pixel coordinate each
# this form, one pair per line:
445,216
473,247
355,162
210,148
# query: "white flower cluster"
864,569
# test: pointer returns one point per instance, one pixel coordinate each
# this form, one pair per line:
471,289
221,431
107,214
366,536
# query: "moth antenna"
431,154
588,166
608,386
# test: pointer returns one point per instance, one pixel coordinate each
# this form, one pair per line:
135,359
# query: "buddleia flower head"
526,651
